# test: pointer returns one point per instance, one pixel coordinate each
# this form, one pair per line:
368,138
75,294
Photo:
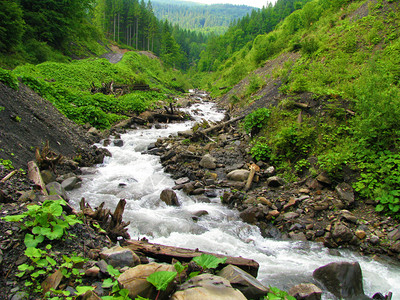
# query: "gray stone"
208,162
182,180
186,133
395,247
348,216
189,187
324,178
345,193
244,282
374,240
341,233
394,235
118,143
169,197
120,257
306,291
343,279
275,181
207,286
55,188
134,280
200,213
239,175
70,183
20,296
249,215
47,176
298,236
270,171
290,216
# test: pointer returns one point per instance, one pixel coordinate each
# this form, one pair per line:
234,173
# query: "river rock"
118,143
238,175
348,216
290,216
55,188
208,162
306,291
244,282
207,286
169,197
394,235
182,180
345,193
120,257
341,233
324,178
70,183
395,247
47,176
343,279
249,215
134,279
275,181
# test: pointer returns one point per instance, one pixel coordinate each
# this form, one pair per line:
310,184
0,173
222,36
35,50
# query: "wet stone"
394,235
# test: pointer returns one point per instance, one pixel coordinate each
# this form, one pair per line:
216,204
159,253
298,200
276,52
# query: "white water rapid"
139,178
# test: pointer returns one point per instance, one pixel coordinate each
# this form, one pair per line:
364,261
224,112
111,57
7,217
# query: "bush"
254,121
8,78
261,150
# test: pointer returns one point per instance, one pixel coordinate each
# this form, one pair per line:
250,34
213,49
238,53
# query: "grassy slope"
349,63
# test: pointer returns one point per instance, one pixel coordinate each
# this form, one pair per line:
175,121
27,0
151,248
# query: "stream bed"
140,178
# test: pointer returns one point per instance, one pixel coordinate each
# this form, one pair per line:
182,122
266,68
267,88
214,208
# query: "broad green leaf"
55,209
14,218
141,298
108,283
81,290
193,274
207,261
42,263
33,252
51,261
53,233
379,208
32,241
161,279
112,271
25,267
179,267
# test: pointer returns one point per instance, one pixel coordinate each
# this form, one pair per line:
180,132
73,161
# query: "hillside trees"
11,25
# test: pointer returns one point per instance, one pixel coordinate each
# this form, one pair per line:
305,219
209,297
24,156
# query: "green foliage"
112,282
6,163
8,78
254,121
261,150
277,294
255,83
161,279
44,221
207,261
11,25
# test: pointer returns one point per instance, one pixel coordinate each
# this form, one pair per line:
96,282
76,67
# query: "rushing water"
139,178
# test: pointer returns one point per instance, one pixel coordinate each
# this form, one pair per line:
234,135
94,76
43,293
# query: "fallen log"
34,175
168,117
168,253
9,176
205,132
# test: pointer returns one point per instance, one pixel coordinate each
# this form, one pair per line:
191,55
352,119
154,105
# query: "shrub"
254,121
8,78
261,150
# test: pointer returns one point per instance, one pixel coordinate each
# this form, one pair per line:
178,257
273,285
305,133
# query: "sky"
254,3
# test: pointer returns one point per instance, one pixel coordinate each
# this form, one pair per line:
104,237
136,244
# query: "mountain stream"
139,178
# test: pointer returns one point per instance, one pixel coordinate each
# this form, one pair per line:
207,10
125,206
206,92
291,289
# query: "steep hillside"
333,77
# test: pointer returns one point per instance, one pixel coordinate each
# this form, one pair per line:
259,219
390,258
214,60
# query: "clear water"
282,263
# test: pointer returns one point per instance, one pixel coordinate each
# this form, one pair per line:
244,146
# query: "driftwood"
253,169
168,253
301,105
168,117
111,222
9,176
34,175
205,132
47,159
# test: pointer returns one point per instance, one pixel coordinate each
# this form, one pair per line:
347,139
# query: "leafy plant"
261,150
277,294
254,121
207,261
6,163
112,282
8,78
161,280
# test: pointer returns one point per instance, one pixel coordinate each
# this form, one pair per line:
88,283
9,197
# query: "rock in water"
207,286
208,162
169,197
343,279
243,281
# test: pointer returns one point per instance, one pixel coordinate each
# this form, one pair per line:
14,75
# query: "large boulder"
345,193
169,197
238,175
120,257
343,279
70,183
306,291
134,279
207,287
208,162
243,281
